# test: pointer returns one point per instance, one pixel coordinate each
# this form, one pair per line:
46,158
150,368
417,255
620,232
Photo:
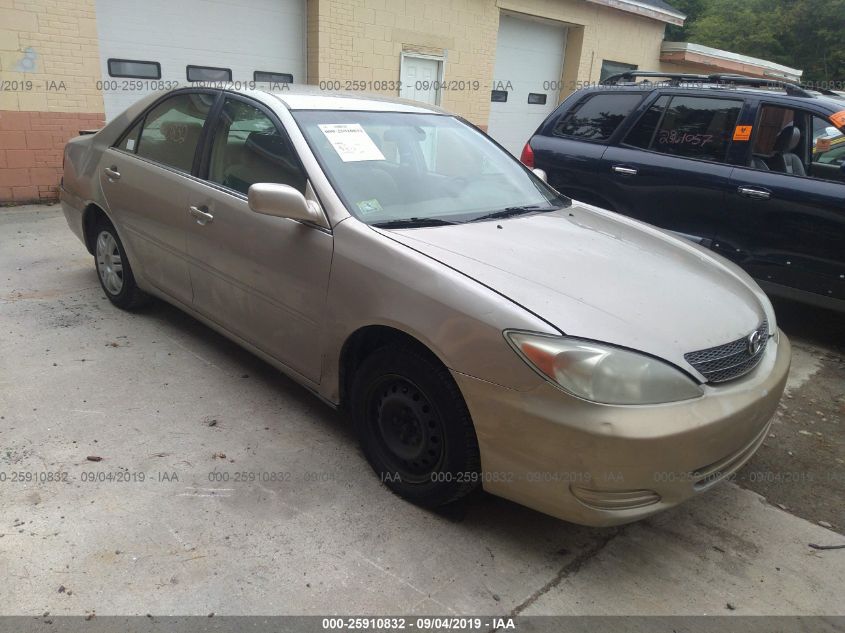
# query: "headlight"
601,373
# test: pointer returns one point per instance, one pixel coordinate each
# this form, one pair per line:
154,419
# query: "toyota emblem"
755,342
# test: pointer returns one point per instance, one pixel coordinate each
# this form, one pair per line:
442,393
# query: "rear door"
570,145
789,228
671,168
145,177
262,278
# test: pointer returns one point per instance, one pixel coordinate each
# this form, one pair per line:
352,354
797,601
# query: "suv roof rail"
791,88
630,75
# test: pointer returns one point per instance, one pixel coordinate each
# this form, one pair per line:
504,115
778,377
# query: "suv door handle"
112,172
201,214
757,194
625,171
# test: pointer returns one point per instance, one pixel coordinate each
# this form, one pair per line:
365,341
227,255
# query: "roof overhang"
645,9
713,59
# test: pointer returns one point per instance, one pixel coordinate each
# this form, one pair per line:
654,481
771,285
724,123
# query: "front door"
262,278
785,221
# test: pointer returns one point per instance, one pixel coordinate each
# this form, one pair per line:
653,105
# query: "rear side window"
690,127
597,118
172,130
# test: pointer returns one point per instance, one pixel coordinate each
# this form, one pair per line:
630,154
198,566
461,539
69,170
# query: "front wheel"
414,426
113,269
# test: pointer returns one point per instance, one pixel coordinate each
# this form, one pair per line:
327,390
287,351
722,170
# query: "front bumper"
606,465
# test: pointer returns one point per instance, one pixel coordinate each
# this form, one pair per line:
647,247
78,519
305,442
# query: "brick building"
68,65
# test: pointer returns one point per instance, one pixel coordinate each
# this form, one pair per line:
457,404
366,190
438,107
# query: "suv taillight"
527,157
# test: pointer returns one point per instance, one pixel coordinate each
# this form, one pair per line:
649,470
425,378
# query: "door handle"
756,194
625,171
112,172
202,216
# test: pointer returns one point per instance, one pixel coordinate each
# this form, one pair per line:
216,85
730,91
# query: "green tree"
806,34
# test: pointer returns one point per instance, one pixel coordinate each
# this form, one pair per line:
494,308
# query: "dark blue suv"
753,169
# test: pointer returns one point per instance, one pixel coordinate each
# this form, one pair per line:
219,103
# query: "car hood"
596,275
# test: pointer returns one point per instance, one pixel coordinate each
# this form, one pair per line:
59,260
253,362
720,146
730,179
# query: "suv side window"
597,118
798,143
642,134
247,148
689,127
172,130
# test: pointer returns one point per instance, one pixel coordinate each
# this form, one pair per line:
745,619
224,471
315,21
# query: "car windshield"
419,168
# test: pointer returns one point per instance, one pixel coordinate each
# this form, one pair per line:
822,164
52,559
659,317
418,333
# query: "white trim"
777,70
646,10
441,65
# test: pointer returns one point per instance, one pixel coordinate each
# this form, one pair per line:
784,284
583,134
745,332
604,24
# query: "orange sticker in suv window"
838,119
743,132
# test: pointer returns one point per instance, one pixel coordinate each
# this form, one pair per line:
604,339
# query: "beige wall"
63,36
57,96
364,39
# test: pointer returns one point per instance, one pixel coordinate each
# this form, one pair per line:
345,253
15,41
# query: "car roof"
833,102
312,98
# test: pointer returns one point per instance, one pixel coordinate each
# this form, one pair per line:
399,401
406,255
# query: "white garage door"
529,61
244,36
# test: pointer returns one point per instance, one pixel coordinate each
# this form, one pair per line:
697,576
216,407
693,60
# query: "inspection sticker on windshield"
838,119
351,142
367,207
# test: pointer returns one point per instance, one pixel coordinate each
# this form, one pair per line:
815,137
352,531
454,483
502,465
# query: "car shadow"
480,510
810,324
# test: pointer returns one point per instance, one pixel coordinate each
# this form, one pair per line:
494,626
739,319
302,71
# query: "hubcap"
408,427
109,263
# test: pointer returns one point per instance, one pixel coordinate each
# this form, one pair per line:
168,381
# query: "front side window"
247,148
400,166
597,118
172,129
798,143
688,127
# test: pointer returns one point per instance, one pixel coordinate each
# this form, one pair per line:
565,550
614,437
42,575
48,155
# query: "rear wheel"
113,269
414,426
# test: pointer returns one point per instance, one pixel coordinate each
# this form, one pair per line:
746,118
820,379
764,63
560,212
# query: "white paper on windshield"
351,142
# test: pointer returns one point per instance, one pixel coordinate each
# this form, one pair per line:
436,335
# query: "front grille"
731,360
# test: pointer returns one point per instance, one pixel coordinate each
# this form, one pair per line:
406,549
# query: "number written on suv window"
689,127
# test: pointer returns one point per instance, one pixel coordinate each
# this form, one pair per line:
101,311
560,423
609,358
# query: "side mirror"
282,201
541,174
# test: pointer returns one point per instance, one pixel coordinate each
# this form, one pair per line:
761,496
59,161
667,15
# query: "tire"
113,269
414,426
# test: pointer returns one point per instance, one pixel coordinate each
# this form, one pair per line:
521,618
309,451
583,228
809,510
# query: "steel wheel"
109,263
409,429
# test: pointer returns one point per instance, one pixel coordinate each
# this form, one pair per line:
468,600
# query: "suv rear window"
690,127
597,117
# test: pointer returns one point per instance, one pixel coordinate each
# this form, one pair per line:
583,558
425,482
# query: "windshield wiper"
410,223
512,211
